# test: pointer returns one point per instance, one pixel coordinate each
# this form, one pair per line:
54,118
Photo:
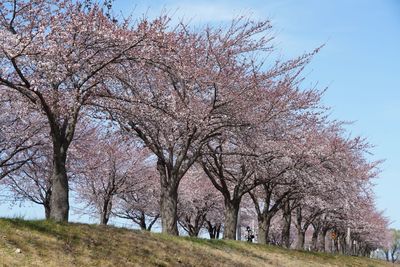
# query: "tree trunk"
194,232
314,239
262,235
169,182
393,255
106,211
264,223
168,208
368,253
103,218
287,219
47,210
213,230
217,231
335,245
231,215
47,204
342,243
142,223
387,255
300,239
152,222
194,229
354,247
321,239
59,201
300,232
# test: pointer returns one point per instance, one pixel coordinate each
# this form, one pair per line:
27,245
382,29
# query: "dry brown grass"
45,243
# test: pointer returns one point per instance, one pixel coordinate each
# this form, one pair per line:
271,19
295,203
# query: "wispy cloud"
202,12
209,12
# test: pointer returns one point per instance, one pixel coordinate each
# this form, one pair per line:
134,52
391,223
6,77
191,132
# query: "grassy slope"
45,243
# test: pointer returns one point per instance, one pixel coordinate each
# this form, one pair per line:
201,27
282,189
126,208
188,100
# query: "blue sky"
360,64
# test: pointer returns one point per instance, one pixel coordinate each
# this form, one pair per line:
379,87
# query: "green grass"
45,243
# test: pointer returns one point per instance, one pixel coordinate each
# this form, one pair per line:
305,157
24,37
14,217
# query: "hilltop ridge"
45,243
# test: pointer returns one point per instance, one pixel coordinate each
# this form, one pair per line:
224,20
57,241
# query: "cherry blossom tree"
185,94
19,129
106,170
268,198
197,200
323,172
32,181
392,247
347,177
239,161
55,55
134,206
368,233
140,201
214,221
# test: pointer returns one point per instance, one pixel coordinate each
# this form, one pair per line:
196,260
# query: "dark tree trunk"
169,199
231,216
104,218
139,220
193,228
47,204
59,200
266,213
264,223
300,239
262,232
387,255
142,223
152,222
368,253
394,255
168,209
357,248
47,210
194,232
314,239
342,243
211,233
287,219
321,239
213,230
335,245
106,211
217,231
300,232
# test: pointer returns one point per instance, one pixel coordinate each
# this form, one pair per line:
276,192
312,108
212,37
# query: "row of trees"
147,120
391,250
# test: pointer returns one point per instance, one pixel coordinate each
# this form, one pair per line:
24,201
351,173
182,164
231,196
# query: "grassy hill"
43,243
